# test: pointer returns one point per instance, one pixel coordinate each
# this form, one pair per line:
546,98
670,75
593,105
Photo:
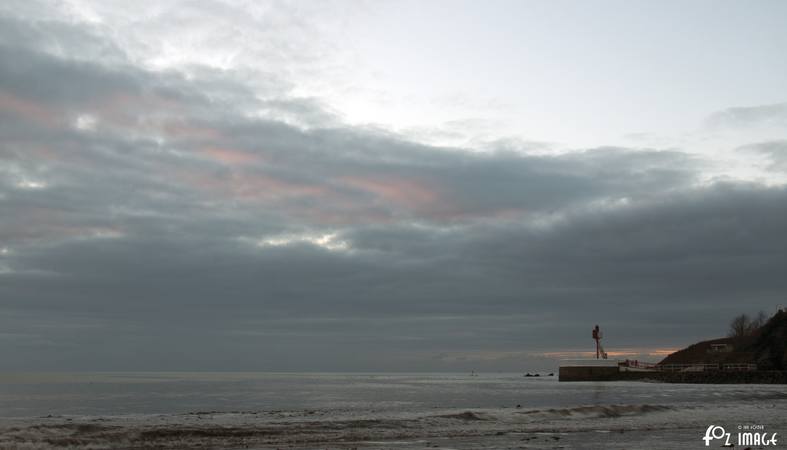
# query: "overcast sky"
385,185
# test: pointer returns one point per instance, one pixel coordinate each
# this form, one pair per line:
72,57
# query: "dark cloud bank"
154,221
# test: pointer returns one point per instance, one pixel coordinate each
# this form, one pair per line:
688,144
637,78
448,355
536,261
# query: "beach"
344,411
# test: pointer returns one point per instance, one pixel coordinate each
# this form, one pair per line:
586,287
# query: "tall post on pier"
597,338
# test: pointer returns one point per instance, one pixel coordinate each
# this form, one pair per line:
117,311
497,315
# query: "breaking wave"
221,430
596,411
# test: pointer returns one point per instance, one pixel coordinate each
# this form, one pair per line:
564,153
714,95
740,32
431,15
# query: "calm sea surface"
163,393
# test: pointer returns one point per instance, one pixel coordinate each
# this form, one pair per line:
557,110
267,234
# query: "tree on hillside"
757,323
739,326
743,325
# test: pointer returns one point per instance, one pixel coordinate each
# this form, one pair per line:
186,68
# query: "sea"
378,411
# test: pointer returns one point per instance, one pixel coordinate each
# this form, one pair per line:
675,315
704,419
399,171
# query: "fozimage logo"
755,435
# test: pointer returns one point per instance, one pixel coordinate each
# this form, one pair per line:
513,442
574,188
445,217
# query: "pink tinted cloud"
260,186
127,103
182,129
29,110
654,352
326,205
408,193
149,113
426,200
247,186
231,156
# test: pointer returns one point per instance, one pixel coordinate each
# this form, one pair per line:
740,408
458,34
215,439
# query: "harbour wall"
588,373
707,377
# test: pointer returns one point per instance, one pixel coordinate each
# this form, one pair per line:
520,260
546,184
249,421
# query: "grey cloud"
147,233
775,151
691,261
57,38
745,116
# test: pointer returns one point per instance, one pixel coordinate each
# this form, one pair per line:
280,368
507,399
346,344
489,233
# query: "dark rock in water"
551,374
518,406
537,375
528,374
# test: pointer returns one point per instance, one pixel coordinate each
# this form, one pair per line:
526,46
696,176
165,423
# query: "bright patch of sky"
569,74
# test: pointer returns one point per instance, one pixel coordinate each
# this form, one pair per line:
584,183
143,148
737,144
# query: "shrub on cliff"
769,344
